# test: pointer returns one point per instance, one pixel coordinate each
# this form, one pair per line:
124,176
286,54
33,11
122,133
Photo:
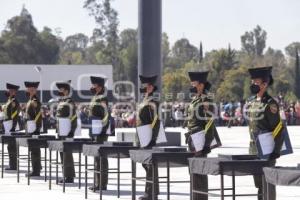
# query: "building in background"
49,74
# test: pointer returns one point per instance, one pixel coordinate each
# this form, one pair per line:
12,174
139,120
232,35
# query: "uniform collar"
201,96
65,98
263,98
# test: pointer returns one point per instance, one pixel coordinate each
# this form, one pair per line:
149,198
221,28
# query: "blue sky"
215,22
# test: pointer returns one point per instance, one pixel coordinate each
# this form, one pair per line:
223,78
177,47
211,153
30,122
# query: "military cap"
31,84
98,80
264,73
12,86
201,77
148,79
64,84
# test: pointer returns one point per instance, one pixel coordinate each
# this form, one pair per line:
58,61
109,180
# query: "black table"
226,165
64,146
37,141
7,139
159,158
116,150
284,176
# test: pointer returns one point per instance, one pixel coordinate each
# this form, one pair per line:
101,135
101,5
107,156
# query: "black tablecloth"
11,138
170,149
107,150
176,159
238,157
67,146
37,142
286,176
214,166
115,144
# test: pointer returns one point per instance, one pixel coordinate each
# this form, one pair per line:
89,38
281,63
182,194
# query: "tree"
254,42
21,43
219,61
128,55
232,88
49,48
297,75
107,31
74,49
174,82
183,52
165,49
200,53
292,48
76,42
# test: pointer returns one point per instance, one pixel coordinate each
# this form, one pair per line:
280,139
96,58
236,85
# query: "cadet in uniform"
33,112
200,117
263,115
147,113
98,109
66,109
11,112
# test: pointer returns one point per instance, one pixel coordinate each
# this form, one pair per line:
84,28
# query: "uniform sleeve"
100,110
73,117
38,116
15,110
146,116
209,114
8,111
273,117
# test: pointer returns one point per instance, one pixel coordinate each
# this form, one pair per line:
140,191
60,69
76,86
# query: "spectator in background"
83,114
297,112
292,114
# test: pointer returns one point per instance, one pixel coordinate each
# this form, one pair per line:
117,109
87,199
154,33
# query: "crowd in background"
173,114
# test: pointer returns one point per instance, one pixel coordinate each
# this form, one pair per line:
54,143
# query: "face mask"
254,89
143,90
193,89
93,90
60,93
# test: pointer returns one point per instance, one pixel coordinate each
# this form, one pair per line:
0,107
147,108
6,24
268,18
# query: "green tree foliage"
232,88
200,53
165,46
107,20
182,52
73,49
292,48
174,82
128,54
254,42
297,75
21,43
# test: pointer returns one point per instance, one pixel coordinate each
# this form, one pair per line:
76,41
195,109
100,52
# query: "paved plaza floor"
235,141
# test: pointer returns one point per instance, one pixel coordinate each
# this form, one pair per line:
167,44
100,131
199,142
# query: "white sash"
198,140
78,128
97,127
145,134
267,143
64,125
7,126
31,126
108,131
161,138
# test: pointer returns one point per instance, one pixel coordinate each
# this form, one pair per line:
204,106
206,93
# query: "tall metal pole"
149,42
